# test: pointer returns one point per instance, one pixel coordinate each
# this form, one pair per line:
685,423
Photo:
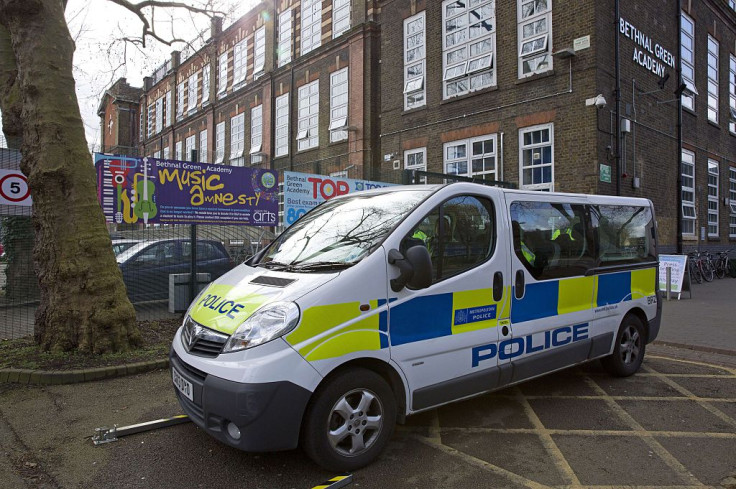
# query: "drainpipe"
617,91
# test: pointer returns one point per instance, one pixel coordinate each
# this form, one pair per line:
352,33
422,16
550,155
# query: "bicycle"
708,268
722,264
693,268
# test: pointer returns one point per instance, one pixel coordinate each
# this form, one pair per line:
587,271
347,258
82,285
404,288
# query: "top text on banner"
156,191
303,191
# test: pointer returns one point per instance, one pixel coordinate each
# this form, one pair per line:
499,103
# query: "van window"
624,234
552,239
342,231
459,234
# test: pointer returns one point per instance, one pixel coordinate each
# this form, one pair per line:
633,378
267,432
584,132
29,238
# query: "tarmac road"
671,425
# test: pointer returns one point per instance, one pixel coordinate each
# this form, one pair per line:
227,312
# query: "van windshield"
340,232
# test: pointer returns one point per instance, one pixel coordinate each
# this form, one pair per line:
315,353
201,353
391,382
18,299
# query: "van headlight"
269,322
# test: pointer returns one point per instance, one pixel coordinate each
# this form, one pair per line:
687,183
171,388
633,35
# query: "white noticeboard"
678,265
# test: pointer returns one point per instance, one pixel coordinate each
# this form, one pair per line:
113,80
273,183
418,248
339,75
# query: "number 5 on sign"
14,188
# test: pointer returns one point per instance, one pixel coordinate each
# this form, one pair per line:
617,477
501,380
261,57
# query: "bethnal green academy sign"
651,56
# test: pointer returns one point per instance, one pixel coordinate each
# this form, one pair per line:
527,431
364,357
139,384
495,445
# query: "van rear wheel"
628,353
350,420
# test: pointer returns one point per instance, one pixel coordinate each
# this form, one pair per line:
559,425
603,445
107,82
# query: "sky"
101,57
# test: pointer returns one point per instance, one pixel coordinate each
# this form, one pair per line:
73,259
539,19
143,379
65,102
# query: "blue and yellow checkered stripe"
555,297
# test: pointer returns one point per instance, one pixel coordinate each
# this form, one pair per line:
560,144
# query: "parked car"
120,245
146,266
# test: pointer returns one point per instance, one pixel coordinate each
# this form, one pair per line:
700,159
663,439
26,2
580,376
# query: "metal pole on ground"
193,247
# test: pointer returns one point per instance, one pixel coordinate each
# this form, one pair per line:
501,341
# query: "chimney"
147,82
175,56
215,27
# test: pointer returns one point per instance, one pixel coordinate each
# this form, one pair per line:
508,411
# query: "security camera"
600,101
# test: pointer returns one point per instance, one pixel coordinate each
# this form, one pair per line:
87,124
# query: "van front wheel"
350,420
628,353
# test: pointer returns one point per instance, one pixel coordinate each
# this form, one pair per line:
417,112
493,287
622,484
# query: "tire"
721,269
629,350
696,275
350,420
708,271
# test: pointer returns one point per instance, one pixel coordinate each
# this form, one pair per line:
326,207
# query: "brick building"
119,115
523,92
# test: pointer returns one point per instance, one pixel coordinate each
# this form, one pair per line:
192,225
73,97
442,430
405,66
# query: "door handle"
519,286
497,286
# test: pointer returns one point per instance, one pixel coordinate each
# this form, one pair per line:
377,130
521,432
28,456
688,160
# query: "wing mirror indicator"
415,269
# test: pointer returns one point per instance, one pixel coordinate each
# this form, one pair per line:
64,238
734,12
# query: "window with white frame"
202,155
414,61
688,192
179,151
237,139
537,157
712,79
282,125
192,92
169,109
712,198
474,157
259,52
167,153
311,25
150,120
222,74
534,36
732,201
205,84
190,145
285,37
220,142
159,114
157,154
732,92
240,56
340,17
468,46
256,133
140,126
308,126
180,100
687,60
416,159
338,105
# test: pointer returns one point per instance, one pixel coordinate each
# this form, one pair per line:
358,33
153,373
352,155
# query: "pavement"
672,425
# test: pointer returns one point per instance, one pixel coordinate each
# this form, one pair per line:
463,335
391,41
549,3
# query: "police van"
382,304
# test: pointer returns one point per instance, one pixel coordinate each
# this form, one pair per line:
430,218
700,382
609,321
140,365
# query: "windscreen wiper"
274,265
320,265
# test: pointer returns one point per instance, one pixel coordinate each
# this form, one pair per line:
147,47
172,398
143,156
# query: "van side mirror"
415,269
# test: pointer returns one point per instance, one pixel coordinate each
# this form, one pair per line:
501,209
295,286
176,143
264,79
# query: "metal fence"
161,264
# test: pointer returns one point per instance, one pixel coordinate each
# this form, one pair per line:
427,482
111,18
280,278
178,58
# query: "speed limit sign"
14,188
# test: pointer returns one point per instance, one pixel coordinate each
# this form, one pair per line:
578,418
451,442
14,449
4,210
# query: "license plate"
184,386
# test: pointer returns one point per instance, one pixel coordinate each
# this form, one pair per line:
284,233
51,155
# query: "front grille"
194,372
191,408
202,341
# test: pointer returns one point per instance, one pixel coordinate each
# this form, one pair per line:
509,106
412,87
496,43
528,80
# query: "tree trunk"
83,300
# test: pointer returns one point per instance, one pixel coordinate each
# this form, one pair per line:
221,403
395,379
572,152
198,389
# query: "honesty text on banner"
156,191
303,191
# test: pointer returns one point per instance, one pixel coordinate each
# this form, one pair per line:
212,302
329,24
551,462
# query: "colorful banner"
303,191
156,191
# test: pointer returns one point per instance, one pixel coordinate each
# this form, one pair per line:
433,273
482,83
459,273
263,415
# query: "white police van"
381,304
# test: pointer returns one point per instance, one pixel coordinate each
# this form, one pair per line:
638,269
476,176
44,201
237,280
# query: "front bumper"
268,415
